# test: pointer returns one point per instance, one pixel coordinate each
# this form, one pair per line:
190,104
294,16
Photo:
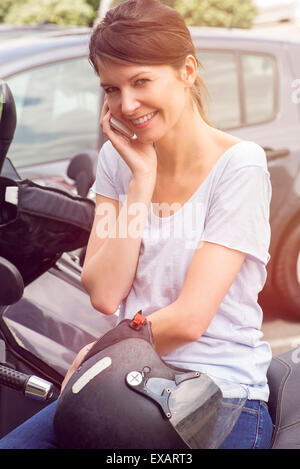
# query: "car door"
250,85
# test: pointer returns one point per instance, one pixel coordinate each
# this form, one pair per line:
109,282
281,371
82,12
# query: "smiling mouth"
142,120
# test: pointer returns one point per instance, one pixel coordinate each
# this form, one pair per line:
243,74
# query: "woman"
181,229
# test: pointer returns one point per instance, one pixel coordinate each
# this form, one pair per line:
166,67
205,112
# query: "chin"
151,137
145,139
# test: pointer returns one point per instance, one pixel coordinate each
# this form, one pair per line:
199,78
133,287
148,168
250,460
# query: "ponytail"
200,94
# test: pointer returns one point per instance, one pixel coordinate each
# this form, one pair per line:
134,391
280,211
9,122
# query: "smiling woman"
179,177
142,96
125,41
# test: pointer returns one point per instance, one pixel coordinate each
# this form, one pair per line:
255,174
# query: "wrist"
143,184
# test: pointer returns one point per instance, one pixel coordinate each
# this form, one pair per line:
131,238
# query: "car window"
242,87
57,112
220,75
259,73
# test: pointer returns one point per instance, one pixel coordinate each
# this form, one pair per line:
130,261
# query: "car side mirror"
11,282
81,171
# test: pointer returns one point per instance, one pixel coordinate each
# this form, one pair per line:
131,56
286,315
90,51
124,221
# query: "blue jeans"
36,433
253,430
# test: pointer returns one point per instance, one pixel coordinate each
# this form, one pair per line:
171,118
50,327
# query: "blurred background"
220,13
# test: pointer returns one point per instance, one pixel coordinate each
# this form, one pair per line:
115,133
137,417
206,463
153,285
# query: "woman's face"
150,100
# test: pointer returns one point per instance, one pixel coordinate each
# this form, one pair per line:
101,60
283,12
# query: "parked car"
255,94
255,90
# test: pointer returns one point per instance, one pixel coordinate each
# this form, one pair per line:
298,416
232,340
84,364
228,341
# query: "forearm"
171,328
109,273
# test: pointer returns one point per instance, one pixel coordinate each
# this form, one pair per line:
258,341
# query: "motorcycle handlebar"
32,386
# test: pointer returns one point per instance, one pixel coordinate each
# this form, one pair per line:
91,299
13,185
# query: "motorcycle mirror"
8,120
11,282
8,170
81,171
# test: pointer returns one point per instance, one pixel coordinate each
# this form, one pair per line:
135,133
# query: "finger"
80,356
66,378
105,123
104,110
76,363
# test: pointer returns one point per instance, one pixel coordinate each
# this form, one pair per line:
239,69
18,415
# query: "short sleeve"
105,175
238,215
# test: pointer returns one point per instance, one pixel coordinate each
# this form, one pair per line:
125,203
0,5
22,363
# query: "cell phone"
120,127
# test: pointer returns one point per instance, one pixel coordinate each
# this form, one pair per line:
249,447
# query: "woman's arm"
111,260
210,275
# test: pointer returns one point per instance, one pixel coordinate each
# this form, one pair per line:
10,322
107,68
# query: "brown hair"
149,33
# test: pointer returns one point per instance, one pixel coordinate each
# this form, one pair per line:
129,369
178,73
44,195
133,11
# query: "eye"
141,81
110,89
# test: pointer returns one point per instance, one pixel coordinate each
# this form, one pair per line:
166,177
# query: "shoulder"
112,171
244,163
238,153
110,158
246,153
108,151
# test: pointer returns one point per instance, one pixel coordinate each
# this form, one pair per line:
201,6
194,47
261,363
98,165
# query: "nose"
129,103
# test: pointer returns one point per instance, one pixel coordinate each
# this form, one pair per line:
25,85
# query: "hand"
76,363
139,156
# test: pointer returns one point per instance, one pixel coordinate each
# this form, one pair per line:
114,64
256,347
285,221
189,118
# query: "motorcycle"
46,317
43,233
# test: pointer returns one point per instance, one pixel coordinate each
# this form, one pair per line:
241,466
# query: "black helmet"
124,396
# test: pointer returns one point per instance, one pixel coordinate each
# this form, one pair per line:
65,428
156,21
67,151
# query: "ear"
189,71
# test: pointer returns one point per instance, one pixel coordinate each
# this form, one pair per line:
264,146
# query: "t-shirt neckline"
198,188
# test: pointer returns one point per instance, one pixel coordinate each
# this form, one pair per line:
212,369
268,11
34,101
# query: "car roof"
13,31
41,37
21,54
21,47
11,49
14,50
277,34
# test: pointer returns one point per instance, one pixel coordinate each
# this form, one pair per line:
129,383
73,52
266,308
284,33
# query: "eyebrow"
130,79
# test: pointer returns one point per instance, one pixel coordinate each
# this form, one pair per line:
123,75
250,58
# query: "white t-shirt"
231,208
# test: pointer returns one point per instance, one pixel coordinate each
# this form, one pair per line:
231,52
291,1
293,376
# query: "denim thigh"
36,433
253,429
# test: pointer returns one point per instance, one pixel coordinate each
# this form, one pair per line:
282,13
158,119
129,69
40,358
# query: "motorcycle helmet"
124,396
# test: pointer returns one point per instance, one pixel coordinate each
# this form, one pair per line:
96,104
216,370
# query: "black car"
255,90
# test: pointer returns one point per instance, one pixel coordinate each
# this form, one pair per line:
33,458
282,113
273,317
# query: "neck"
185,147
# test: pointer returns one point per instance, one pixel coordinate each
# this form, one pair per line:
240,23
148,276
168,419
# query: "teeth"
141,120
